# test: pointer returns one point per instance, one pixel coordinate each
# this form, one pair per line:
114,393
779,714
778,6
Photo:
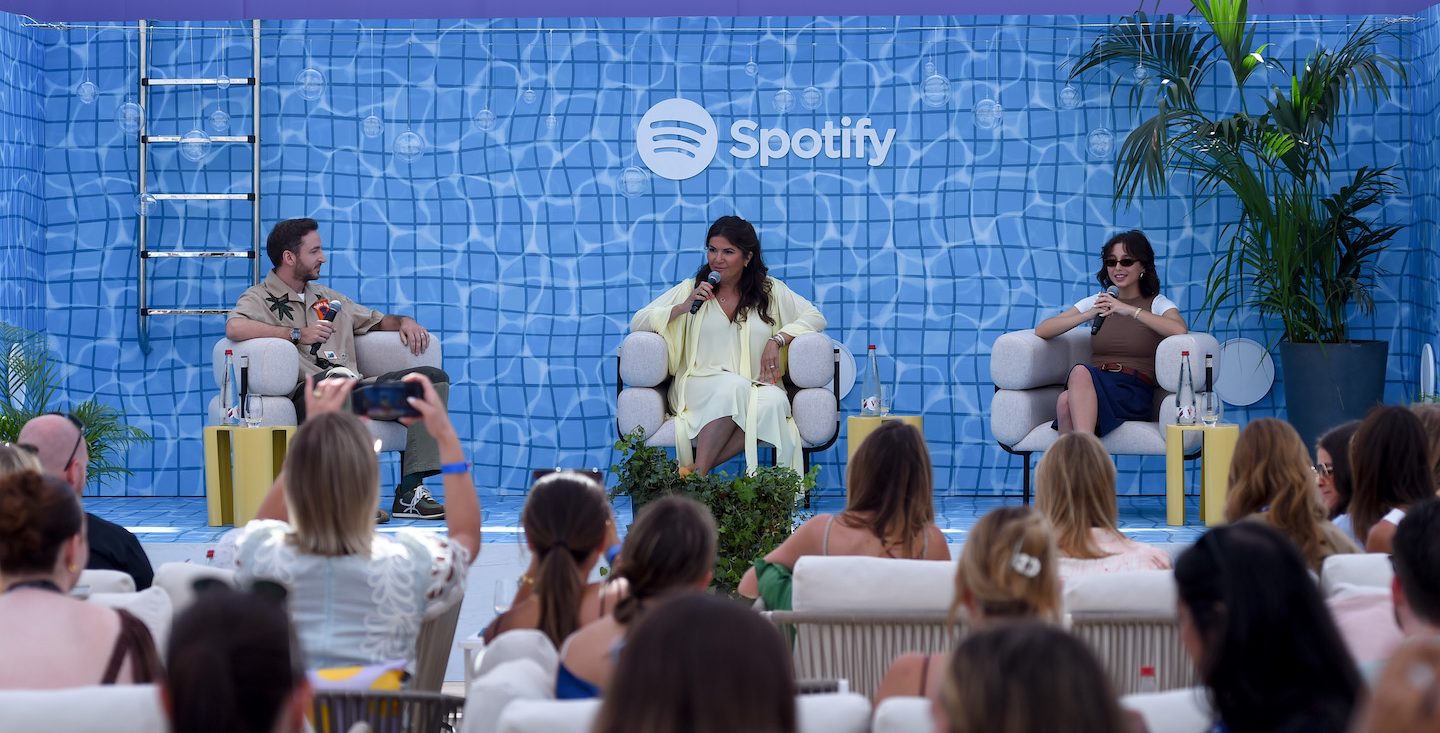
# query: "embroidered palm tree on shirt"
280,306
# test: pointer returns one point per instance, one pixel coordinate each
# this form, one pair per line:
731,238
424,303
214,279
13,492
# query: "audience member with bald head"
59,444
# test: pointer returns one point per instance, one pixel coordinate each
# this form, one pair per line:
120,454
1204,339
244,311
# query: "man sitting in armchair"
323,324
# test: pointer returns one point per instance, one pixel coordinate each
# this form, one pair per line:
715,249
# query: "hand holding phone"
386,400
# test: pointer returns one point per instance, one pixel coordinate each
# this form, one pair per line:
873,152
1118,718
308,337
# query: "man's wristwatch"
295,336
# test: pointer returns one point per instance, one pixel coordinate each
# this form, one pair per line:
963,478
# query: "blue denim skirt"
1121,397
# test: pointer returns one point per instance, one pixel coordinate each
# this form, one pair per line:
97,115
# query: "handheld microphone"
714,280
330,313
1100,319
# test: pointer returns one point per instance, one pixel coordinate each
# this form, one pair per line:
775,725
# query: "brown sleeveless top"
1125,340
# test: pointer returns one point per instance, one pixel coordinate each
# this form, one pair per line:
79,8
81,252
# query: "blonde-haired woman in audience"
889,512
15,457
1271,480
358,597
670,551
1008,570
52,640
1075,490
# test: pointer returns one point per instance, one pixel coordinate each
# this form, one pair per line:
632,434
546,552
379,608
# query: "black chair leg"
1026,496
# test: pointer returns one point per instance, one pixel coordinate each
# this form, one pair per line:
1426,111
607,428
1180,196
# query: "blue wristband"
460,467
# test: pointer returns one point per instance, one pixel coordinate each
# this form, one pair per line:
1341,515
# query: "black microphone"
714,280
1100,319
330,313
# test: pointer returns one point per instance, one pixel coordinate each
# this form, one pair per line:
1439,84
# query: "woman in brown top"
1119,383
58,641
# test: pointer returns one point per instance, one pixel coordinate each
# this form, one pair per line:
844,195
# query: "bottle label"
870,405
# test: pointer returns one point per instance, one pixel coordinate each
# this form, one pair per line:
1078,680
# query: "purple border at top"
123,10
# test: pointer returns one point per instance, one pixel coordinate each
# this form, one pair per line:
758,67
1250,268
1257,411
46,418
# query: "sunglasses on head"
1123,262
79,439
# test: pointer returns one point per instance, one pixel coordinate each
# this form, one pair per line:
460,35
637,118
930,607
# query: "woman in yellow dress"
726,356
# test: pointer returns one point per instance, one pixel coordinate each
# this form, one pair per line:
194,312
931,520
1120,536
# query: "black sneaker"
417,503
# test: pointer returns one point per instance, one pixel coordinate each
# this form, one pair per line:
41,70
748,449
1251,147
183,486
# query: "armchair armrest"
1167,359
644,359
274,364
380,352
1022,360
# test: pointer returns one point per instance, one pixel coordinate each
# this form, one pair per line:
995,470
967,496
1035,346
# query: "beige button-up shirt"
274,303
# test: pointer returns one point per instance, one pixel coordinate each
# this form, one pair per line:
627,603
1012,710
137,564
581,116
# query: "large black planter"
1328,384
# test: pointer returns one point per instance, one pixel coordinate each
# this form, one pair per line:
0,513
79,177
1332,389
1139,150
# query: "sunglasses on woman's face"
1123,262
1323,470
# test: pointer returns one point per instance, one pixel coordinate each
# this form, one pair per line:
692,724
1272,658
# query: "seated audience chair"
854,615
487,698
903,715
111,708
830,713
178,580
530,644
103,581
387,712
1175,711
643,380
1368,570
275,364
1128,619
1030,373
152,606
432,650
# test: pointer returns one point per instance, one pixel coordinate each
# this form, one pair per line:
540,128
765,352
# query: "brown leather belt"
1122,369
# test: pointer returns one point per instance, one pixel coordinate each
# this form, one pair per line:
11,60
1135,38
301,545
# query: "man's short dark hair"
1416,556
286,236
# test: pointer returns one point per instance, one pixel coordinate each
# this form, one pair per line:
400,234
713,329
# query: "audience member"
1334,476
59,443
889,512
701,664
1415,588
1265,645
235,667
15,458
1272,481
1026,677
670,550
358,597
1429,414
54,640
1390,470
1075,490
1008,570
567,524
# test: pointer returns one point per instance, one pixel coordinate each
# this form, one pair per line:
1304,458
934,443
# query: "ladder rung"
213,138
184,311
196,255
204,196
155,82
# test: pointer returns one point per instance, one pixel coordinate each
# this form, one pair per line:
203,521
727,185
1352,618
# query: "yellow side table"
240,465
858,428
1216,449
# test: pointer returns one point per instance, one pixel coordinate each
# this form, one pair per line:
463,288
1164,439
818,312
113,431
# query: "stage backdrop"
501,197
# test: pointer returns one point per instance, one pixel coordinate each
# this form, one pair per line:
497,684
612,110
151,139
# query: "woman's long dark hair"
1336,442
1271,655
890,480
670,546
701,664
564,521
1389,465
754,287
1137,246
232,663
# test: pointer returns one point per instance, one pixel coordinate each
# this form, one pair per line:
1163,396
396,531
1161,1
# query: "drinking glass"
254,410
1210,409
504,594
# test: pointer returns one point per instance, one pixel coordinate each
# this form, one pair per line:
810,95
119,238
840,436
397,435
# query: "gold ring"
315,394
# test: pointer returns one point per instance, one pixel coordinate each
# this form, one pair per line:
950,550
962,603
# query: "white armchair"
1030,372
274,364
643,381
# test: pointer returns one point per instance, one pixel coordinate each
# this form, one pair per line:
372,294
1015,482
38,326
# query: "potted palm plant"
1304,250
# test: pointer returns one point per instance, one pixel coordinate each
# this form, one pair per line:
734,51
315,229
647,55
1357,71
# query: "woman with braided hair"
670,550
567,526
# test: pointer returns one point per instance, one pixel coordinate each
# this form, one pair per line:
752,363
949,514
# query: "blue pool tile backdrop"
527,229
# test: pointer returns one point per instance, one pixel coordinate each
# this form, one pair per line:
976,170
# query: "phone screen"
385,400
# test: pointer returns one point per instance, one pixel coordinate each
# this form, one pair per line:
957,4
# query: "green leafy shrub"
753,513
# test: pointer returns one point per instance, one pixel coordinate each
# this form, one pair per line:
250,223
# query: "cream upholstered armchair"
274,364
643,381
1030,372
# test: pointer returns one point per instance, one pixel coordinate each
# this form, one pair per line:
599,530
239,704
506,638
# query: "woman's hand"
770,363
1105,305
327,396
431,408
